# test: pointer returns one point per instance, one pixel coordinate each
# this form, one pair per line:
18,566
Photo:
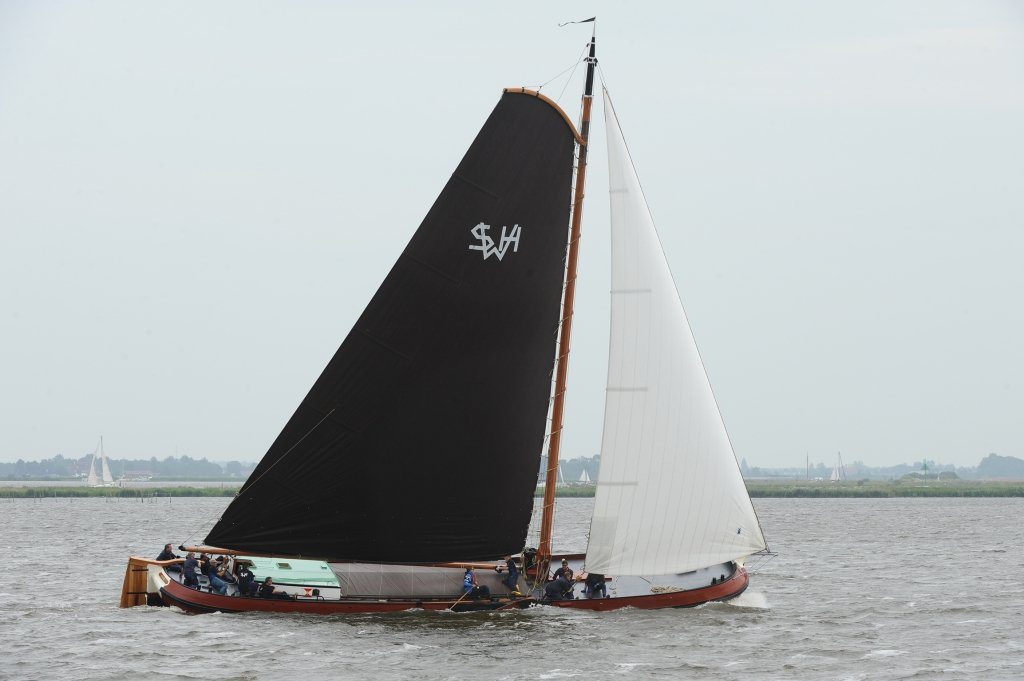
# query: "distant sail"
584,477
92,479
107,477
839,470
670,497
421,440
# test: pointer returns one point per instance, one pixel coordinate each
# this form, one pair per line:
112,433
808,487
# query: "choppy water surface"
863,589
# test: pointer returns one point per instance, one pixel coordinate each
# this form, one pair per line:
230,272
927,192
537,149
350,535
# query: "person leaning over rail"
512,578
558,589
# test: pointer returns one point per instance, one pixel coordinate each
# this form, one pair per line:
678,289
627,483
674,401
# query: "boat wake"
750,599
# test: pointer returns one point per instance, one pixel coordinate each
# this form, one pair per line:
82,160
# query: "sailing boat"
584,477
839,470
463,410
93,480
108,479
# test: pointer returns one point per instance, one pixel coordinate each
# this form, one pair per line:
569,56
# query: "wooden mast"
565,334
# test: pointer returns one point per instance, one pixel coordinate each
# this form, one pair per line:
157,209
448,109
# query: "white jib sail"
670,497
107,477
93,479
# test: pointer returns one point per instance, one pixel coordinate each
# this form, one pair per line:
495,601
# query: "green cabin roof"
292,571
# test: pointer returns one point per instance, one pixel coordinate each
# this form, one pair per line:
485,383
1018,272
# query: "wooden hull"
148,582
197,602
723,591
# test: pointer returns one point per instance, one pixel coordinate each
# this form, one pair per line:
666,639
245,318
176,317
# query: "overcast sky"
198,199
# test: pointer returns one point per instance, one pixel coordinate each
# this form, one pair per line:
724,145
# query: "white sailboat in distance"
105,479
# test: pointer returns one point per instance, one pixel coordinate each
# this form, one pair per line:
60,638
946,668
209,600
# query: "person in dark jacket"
167,553
267,590
205,564
558,589
188,571
595,586
246,581
512,578
564,571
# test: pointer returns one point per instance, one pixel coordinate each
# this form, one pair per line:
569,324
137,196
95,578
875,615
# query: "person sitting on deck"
217,585
595,585
512,579
205,563
470,586
188,571
207,569
246,581
267,590
220,577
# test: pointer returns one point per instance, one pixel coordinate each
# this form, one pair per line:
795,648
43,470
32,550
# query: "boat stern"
143,579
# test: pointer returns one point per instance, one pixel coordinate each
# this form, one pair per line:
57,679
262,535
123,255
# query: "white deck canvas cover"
401,581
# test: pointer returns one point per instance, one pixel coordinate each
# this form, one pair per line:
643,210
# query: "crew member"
470,586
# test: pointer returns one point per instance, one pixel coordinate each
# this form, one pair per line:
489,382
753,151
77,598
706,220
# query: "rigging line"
279,459
297,443
569,79
567,69
215,514
600,74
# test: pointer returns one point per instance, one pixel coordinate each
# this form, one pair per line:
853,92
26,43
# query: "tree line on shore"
169,468
992,467
184,468
757,489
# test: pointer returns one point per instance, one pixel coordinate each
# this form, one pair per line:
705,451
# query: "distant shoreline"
758,489
81,491
857,489
882,489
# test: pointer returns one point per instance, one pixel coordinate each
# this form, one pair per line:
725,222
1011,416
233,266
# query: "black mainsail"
421,440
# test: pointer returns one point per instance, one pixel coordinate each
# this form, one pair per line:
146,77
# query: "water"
863,589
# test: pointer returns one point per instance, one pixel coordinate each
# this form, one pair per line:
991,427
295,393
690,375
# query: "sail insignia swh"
486,245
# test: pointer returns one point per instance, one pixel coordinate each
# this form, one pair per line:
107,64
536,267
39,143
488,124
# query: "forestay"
670,497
